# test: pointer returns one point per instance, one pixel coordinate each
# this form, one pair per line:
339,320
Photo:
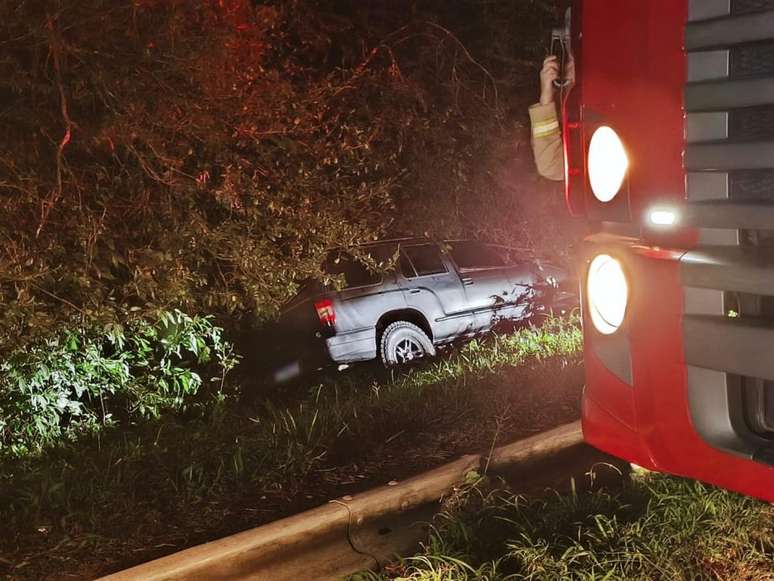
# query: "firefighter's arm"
547,141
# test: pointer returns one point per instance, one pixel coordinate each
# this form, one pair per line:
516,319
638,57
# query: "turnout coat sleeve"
547,141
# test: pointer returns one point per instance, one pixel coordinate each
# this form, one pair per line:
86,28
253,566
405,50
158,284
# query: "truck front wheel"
403,343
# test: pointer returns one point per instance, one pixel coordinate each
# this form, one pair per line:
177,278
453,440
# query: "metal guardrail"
348,534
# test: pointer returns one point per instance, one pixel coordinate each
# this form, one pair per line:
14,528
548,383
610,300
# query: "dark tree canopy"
204,155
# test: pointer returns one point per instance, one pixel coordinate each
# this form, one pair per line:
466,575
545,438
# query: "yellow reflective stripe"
544,128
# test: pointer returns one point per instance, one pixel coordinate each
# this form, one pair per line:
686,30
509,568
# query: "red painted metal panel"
649,421
603,430
633,71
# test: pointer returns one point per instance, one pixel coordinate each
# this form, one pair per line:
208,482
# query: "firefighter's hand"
548,74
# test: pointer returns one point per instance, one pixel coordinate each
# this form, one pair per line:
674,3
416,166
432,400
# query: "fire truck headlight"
608,164
608,294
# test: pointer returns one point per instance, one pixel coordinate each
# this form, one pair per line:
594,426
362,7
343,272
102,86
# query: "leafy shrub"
79,381
206,154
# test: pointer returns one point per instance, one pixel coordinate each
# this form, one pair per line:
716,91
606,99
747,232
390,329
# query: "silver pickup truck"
431,294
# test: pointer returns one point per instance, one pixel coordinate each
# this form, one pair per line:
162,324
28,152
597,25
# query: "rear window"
426,259
355,271
472,255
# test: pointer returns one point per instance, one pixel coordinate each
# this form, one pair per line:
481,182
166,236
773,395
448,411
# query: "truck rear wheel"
403,343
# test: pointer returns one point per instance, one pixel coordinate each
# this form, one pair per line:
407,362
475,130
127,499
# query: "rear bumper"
299,357
359,345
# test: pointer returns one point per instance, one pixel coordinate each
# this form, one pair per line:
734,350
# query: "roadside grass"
131,495
658,527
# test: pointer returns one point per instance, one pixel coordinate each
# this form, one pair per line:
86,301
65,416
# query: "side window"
469,255
382,254
494,256
426,259
406,268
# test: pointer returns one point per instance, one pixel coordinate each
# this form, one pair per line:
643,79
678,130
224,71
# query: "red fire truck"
669,149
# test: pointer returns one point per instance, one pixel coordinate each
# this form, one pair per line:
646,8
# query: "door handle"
415,291
467,281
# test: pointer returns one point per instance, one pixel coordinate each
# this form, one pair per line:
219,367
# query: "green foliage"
204,155
79,381
191,473
659,528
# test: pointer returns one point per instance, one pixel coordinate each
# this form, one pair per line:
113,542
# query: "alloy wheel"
408,350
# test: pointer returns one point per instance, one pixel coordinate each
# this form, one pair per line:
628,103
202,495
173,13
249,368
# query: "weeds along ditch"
658,527
120,496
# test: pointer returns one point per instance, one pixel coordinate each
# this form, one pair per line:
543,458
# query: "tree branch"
451,35
55,49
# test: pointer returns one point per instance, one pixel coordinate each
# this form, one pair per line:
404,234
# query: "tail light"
325,312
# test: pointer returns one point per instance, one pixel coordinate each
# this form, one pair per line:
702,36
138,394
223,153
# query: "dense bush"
179,481
203,155
80,381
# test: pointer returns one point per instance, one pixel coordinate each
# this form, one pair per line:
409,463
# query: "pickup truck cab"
430,294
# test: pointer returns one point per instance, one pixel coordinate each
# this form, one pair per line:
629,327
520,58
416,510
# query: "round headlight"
608,294
608,163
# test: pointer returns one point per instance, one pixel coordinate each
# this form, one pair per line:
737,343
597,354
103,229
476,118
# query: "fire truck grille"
751,124
752,185
759,403
752,61
748,6
729,278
